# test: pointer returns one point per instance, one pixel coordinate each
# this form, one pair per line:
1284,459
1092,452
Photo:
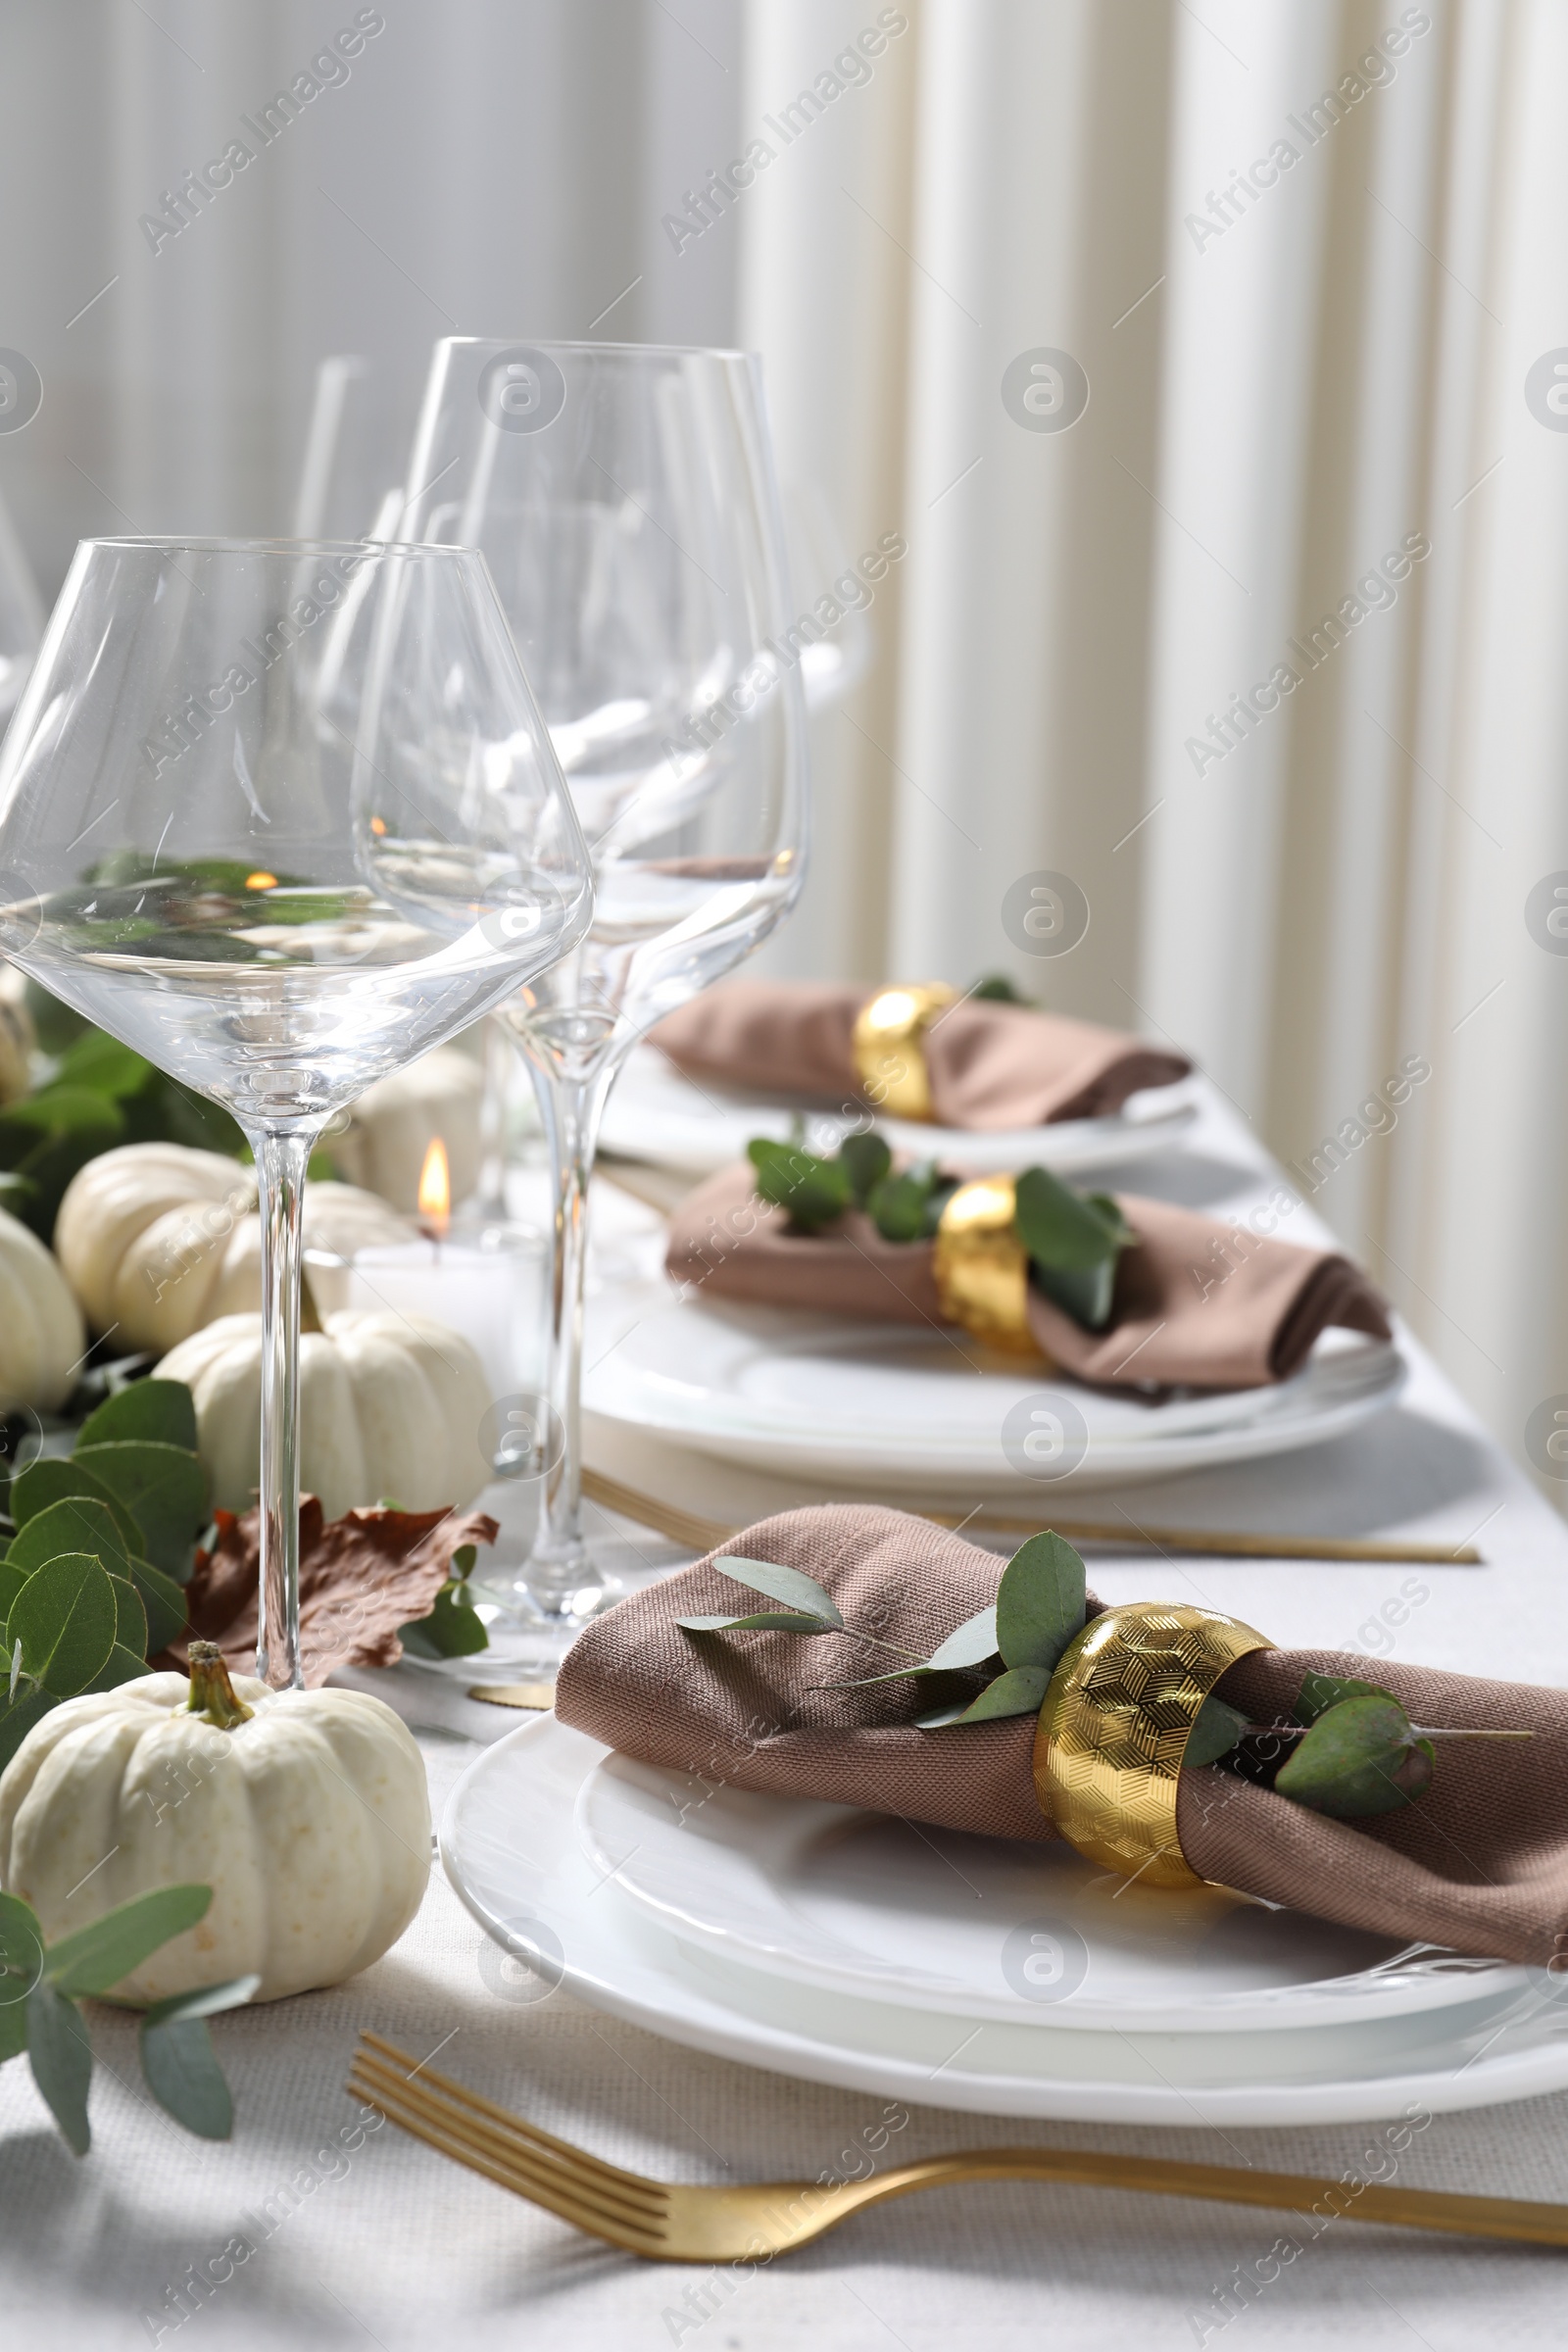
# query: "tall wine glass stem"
281,1156
572,1100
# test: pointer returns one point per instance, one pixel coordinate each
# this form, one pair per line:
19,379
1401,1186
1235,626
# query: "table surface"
380,2242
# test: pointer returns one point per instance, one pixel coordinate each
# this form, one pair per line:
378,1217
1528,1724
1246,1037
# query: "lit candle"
435,1191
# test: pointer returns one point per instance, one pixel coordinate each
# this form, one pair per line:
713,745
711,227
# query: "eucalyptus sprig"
1353,1750
1074,1241
41,1985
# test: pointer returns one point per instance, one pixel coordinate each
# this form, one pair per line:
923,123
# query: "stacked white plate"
657,1114
884,1955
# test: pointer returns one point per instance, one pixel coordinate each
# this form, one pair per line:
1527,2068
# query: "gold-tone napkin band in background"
888,1046
981,1269
1114,1726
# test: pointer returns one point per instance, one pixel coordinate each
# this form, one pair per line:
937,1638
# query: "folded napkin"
1196,1302
1480,1863
990,1065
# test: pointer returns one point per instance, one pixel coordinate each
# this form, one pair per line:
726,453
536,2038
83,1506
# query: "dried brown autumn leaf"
361,1578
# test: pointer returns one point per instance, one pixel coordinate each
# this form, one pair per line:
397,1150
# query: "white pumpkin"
157,1239
391,1406
42,1340
16,1038
309,1821
393,1124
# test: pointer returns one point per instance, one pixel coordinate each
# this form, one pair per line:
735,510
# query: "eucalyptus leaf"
130,1618
1039,1601
970,1644
1060,1228
20,1946
791,1585
65,1619
181,2070
121,1665
61,2056
18,1715
164,1601
162,1410
12,1581
937,1719
1086,1292
1018,1692
52,1479
1360,1757
13,2019
453,1629
76,1523
900,1206
96,1958
865,1160
1213,1734
814,1191
1320,1691
163,1485
772,1621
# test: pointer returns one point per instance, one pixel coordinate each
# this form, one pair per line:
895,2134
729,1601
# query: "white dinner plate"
901,1911
657,1114
827,1396
509,1850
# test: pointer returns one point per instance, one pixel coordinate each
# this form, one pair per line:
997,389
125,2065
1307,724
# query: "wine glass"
280,816
625,499
20,616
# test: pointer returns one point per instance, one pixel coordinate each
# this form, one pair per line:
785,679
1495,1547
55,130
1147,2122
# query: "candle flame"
436,1187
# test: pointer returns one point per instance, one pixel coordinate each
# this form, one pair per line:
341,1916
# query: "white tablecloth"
381,2242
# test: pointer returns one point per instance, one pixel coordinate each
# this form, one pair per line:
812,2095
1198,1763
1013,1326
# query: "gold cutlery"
667,2222
703,1535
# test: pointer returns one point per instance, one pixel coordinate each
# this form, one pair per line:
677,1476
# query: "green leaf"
61,2056
1360,1757
464,1561
1018,1692
54,1023
163,1485
65,1619
937,1719
78,1523
1039,1601
773,1621
970,1644
161,1410
13,2020
1214,1734
996,988
130,1619
452,1629
121,1665
164,1601
96,1958
20,1946
814,1191
867,1160
12,1581
18,1715
1320,1691
791,1585
1087,1293
907,1207
180,2063
101,1062
51,1480
1061,1228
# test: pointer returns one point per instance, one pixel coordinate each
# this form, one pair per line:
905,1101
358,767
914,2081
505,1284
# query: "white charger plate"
901,1911
656,1114
509,1850
827,1396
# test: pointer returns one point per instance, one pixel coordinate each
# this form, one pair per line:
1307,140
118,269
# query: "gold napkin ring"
981,1268
1114,1726
888,1046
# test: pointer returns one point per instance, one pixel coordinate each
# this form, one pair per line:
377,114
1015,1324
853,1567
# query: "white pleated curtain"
1307,463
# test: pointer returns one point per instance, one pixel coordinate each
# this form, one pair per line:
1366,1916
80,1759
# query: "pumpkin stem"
212,1693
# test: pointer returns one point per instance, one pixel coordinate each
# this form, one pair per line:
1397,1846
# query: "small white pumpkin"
391,1406
393,1124
42,1340
310,1820
157,1239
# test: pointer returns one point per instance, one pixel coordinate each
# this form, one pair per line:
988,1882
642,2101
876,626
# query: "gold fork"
757,2219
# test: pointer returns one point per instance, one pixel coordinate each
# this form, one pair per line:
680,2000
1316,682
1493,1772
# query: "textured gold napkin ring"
981,1268
890,1050
1114,1725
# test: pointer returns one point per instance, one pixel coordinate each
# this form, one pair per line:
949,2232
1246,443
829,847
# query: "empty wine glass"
625,499
282,815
